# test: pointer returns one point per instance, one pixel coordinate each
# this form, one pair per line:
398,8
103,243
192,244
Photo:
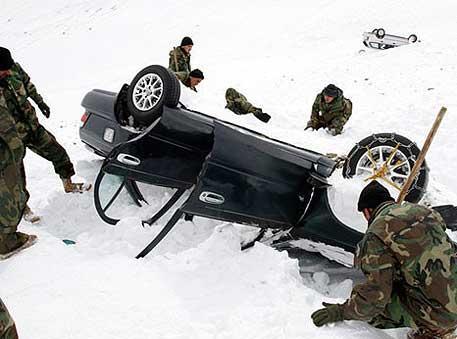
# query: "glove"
313,125
331,313
44,109
264,117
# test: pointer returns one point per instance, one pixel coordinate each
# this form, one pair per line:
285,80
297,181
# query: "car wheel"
389,158
151,89
380,33
412,38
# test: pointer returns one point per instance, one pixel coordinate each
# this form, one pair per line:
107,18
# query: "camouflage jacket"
407,251
185,79
17,88
179,60
11,148
12,195
237,102
333,115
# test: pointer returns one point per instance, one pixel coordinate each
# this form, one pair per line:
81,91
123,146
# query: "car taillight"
84,118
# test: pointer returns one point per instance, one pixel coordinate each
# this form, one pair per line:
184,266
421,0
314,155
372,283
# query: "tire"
412,38
175,94
380,33
151,89
358,162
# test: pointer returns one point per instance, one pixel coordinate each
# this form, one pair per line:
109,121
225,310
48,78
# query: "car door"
169,153
249,178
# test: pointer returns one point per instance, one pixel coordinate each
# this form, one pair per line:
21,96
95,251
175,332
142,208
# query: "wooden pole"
421,157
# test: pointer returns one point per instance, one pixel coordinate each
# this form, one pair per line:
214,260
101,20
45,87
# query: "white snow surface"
197,283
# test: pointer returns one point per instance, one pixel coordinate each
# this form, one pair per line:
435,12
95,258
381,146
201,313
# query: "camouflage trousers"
7,326
395,315
335,125
12,199
238,104
43,143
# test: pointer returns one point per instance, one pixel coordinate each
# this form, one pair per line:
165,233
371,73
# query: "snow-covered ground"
197,283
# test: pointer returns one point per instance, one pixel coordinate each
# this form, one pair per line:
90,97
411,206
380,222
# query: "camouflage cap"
373,195
6,61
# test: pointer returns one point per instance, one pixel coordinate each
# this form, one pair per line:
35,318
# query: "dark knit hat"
6,61
196,73
186,41
373,195
332,91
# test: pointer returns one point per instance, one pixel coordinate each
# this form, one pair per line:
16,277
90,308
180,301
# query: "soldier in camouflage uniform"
331,110
238,104
179,64
13,198
191,79
411,269
180,56
7,326
16,88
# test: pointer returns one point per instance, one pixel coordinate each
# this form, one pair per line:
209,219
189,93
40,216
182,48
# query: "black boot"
264,117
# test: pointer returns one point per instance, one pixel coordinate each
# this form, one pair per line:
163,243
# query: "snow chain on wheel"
388,158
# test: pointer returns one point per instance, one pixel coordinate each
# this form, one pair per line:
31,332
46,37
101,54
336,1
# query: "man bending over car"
191,79
410,264
16,89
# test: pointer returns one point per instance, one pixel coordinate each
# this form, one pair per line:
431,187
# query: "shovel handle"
421,157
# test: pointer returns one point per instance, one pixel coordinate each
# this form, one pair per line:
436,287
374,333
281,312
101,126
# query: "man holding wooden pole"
410,264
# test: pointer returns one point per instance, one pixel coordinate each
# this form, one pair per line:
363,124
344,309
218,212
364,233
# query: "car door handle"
128,159
212,198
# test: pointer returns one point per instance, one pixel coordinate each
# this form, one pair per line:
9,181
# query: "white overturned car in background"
378,39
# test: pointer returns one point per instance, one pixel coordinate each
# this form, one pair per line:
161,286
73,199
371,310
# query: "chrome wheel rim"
386,163
147,92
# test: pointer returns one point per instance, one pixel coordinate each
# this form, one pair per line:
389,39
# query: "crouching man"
411,269
331,110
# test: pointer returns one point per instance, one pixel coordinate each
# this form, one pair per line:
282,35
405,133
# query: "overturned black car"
230,173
